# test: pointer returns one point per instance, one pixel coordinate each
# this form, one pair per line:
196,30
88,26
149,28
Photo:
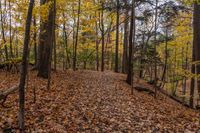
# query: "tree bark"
155,48
45,42
35,40
76,41
10,29
53,9
24,68
196,40
131,45
195,54
102,36
117,38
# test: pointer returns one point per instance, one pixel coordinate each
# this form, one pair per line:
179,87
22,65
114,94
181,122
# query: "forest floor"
89,101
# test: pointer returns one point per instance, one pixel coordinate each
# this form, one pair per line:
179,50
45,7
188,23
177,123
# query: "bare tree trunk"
196,42
45,42
155,39
141,55
10,29
53,10
76,41
186,67
102,36
125,45
166,58
66,45
192,85
35,40
54,50
117,38
196,39
131,45
54,37
24,68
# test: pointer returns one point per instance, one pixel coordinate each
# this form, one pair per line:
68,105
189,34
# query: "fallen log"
7,92
175,98
144,89
4,94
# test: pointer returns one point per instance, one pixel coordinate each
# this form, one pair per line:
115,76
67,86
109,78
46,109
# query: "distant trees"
113,35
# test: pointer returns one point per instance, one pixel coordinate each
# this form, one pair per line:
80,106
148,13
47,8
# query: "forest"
99,66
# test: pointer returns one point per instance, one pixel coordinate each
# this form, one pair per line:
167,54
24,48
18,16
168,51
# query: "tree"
125,42
131,45
155,45
102,35
76,40
117,38
45,41
23,73
196,47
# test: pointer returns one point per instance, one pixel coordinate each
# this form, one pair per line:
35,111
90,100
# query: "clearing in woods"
89,101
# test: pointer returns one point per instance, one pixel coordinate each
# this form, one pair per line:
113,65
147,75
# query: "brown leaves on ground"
88,101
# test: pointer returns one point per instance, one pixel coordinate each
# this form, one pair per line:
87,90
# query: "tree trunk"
53,9
76,41
10,29
97,46
196,39
117,38
186,68
131,45
66,45
35,40
102,36
45,42
141,55
155,49
54,36
166,58
24,68
196,42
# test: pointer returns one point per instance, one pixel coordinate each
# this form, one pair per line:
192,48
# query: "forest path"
89,101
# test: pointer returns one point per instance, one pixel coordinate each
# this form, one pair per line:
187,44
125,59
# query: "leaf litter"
93,102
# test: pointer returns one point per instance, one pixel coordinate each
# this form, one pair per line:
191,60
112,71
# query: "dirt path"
87,101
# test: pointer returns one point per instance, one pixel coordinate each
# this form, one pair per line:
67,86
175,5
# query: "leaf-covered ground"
88,101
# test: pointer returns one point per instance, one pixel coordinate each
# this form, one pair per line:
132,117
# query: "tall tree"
35,40
125,42
196,47
77,33
53,43
131,45
54,35
117,38
102,35
45,42
196,39
24,68
10,29
155,49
